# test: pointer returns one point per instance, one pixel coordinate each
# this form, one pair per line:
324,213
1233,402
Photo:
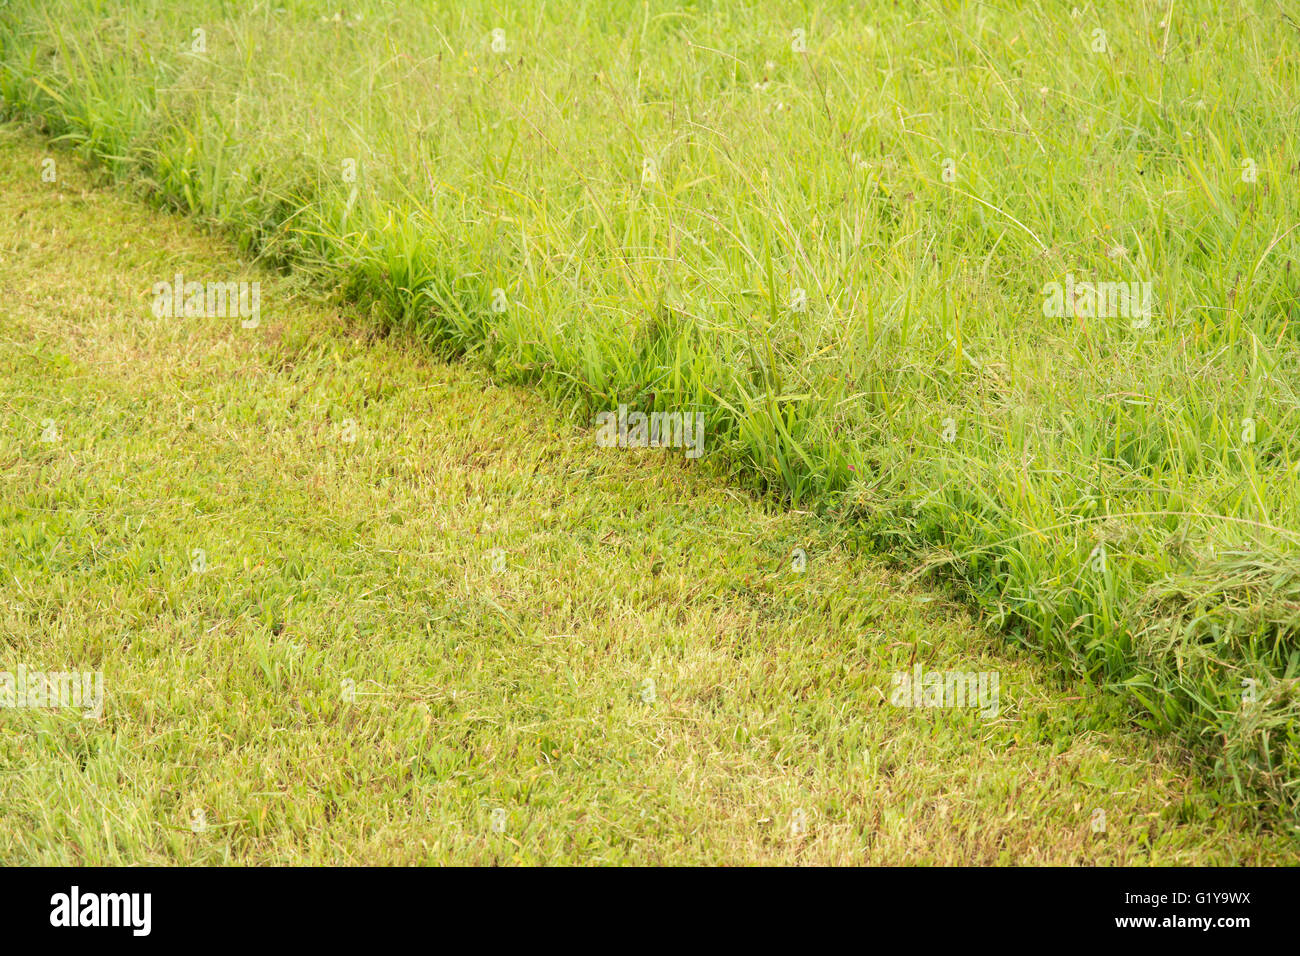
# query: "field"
1001,294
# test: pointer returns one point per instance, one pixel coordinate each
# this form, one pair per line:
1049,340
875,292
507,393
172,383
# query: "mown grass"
231,734
651,185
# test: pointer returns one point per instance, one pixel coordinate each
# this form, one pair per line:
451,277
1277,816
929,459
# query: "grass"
230,733
835,244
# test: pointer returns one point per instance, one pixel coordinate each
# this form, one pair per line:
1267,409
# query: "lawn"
351,604
1001,292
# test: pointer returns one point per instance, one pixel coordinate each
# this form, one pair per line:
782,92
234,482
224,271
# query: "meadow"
832,229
